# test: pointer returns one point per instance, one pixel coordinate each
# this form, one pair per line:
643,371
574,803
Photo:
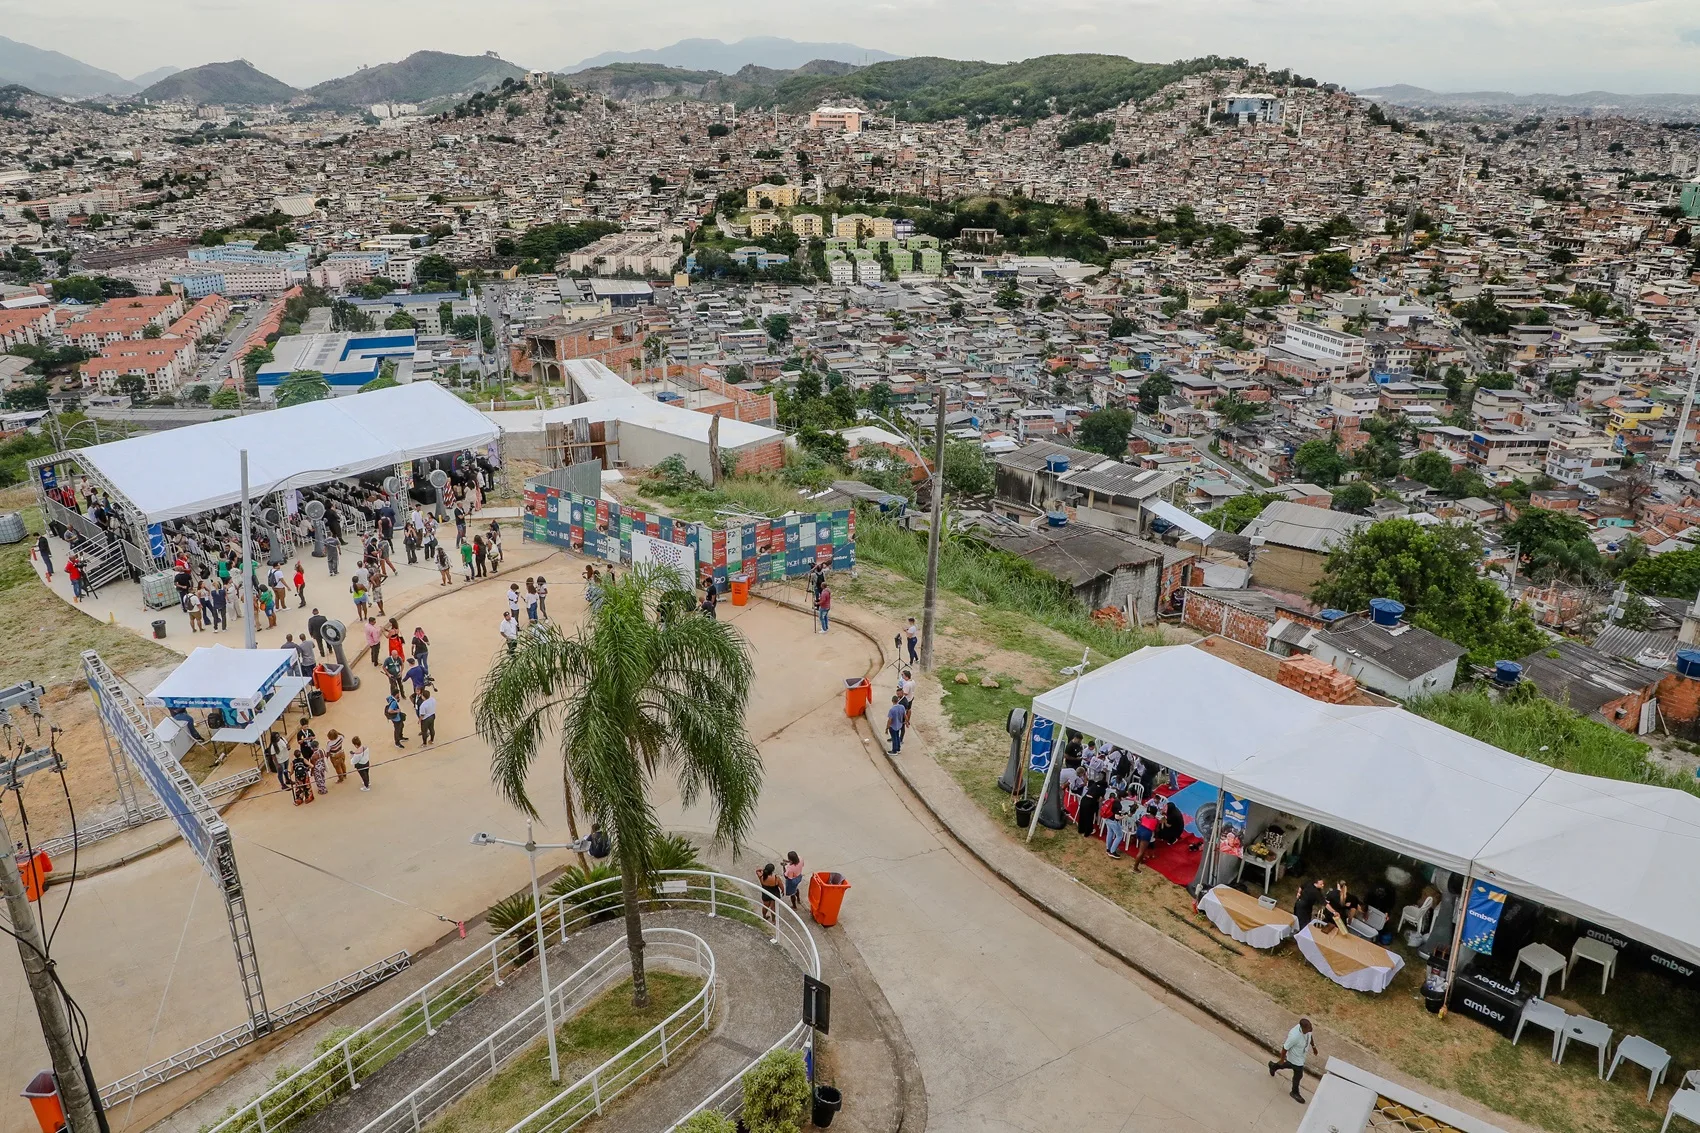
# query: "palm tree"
630,695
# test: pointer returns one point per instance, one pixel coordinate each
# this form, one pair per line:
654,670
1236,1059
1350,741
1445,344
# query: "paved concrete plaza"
1014,1024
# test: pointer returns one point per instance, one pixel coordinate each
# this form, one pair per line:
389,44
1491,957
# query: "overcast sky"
1559,46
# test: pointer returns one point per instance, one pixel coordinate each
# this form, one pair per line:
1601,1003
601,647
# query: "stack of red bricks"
1316,679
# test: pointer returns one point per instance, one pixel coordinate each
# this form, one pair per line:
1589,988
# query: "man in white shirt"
1299,1044
509,629
428,719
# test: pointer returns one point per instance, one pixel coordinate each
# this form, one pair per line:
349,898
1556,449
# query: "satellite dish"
269,517
392,486
333,632
439,478
1017,721
315,509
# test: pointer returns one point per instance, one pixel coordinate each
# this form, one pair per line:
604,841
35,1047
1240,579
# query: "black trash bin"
1024,809
159,628
315,701
828,1101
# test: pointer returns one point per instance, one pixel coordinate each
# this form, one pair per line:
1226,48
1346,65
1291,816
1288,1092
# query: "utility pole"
248,615
929,608
49,1005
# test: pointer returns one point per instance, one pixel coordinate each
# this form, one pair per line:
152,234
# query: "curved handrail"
484,1059
362,1053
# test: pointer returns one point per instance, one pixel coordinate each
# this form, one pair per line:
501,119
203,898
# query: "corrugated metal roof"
1307,528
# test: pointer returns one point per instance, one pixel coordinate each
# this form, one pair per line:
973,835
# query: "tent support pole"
1457,936
1207,867
1056,746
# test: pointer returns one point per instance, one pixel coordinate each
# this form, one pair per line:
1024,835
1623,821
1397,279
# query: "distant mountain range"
1595,101
748,86
423,77
149,78
57,74
237,82
729,58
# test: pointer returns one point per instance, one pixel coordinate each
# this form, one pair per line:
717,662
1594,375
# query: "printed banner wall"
766,551
1481,917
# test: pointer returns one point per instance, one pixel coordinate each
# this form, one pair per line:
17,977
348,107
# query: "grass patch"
607,1026
1535,728
45,636
753,495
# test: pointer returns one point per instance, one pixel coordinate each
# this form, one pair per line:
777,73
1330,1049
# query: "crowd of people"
1114,795
303,769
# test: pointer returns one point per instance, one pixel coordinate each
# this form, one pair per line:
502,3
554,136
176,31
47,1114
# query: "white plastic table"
1652,1056
1684,1103
1545,961
1601,953
1585,1030
1271,868
1540,1013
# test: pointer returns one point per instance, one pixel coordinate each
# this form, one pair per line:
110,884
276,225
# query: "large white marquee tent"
1618,854
185,471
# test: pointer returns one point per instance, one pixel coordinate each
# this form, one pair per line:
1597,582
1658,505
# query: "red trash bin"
43,1095
329,680
858,694
826,897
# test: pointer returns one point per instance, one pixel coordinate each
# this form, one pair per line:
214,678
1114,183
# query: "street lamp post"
531,846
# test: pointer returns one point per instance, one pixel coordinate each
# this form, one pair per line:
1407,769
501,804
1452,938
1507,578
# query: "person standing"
44,552
823,603
514,601
333,550
793,876
300,581
912,635
410,542
1299,1045
711,600
895,720
74,572
362,760
316,629
1110,815
393,670
422,649
277,759
466,558
333,749
772,889
531,601
479,552
443,565
192,606
397,718
542,598
509,629
428,720
316,764
906,694
220,604
372,638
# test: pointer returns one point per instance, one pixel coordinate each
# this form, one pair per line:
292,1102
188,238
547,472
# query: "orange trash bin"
329,680
858,694
43,1095
740,590
826,897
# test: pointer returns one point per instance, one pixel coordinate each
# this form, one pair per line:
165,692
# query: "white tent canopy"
218,676
1618,854
184,471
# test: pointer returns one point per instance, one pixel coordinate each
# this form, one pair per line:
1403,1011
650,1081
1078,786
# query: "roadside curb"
1166,962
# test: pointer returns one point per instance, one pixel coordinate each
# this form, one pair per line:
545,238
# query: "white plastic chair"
1417,915
1540,1013
1685,1102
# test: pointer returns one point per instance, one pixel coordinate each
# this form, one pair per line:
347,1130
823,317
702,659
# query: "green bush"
507,913
776,1093
706,1122
598,905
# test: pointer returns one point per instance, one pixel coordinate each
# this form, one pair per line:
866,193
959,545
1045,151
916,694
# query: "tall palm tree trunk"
634,937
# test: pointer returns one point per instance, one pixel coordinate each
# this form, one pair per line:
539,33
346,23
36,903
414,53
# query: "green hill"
237,82
930,89
424,76
644,81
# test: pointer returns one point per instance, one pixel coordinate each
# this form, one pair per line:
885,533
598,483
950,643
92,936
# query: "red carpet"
1177,863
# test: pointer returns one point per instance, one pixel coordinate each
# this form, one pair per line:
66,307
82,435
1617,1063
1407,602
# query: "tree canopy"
1106,431
1239,511
302,386
1432,570
967,472
1553,544
1319,461
1674,574
1152,390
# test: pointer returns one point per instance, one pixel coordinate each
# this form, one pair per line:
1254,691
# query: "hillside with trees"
424,76
237,83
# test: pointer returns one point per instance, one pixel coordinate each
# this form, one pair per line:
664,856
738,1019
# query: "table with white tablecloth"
1243,918
1350,961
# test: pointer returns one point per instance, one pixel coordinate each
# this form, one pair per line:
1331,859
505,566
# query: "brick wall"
769,457
1213,616
1316,679
1679,700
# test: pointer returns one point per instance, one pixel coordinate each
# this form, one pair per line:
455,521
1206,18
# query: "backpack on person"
599,846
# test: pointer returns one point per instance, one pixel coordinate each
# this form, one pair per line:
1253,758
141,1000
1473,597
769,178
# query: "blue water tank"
1688,662
1507,672
1385,611
1056,462
1332,615
1056,518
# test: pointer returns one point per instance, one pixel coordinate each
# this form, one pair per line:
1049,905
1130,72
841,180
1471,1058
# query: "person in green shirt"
1298,1045
466,559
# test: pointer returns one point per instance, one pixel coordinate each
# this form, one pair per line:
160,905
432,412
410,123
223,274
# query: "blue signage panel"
1481,917
1039,757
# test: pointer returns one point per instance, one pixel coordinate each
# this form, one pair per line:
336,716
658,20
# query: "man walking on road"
1293,1052
895,721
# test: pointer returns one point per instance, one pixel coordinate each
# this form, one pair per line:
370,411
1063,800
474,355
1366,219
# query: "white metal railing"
728,1100
355,1058
663,947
